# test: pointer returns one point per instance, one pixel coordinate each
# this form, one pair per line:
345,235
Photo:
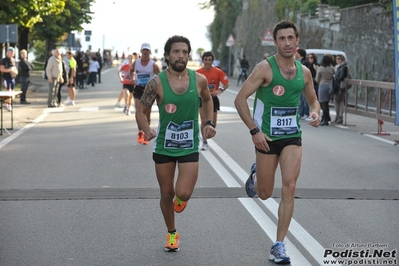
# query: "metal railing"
374,99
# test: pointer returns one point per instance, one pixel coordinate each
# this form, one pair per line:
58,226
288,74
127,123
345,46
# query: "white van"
321,52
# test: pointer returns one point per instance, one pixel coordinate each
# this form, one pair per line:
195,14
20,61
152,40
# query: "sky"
123,25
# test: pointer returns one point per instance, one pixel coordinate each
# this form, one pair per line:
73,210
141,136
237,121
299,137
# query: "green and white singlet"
178,130
276,105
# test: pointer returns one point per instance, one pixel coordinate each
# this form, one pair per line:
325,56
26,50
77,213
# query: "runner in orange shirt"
126,80
215,76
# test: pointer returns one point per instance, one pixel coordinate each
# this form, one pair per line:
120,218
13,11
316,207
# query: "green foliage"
45,19
310,7
226,13
343,4
200,51
283,5
39,50
75,14
27,13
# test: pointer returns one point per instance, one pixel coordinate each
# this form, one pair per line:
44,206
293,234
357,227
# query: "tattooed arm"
146,101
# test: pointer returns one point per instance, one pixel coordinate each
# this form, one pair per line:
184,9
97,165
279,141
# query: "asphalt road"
76,189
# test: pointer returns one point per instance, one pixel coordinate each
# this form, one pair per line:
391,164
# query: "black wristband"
211,123
254,131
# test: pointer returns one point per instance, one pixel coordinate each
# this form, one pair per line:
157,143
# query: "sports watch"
211,123
254,131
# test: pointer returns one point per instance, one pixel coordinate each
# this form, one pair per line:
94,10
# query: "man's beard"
178,68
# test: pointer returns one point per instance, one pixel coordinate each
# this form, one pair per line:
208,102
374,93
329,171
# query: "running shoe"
249,185
204,146
278,255
118,105
145,141
128,112
9,108
124,109
172,242
70,103
140,137
179,205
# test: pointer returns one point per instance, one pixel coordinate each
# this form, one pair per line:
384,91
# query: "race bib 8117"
283,121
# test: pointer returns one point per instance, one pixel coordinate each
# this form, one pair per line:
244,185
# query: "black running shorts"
276,146
161,159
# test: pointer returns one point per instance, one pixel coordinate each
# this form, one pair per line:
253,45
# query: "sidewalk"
26,113
37,96
370,127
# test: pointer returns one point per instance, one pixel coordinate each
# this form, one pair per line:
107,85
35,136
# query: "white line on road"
22,130
270,229
308,242
257,213
380,139
89,109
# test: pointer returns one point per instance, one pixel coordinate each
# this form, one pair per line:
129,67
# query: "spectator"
216,63
24,68
324,75
164,64
10,71
93,69
342,71
312,59
64,77
303,107
54,76
71,68
244,65
100,62
80,72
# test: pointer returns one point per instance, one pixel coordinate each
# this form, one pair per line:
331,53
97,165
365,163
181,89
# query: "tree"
54,28
200,51
226,13
26,13
45,19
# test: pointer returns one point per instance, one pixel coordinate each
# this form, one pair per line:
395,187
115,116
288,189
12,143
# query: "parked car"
321,52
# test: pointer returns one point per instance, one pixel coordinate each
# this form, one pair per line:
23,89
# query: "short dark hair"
302,52
284,24
168,45
206,54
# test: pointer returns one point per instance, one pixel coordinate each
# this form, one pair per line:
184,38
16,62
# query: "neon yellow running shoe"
172,242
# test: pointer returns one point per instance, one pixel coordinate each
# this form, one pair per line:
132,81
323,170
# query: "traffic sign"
8,33
267,39
230,41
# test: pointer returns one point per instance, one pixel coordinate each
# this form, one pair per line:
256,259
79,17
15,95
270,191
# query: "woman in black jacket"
341,72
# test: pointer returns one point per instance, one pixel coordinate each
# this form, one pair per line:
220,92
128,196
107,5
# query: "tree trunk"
23,38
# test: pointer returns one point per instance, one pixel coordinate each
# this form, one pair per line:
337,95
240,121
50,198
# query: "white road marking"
89,109
307,241
270,229
7,140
